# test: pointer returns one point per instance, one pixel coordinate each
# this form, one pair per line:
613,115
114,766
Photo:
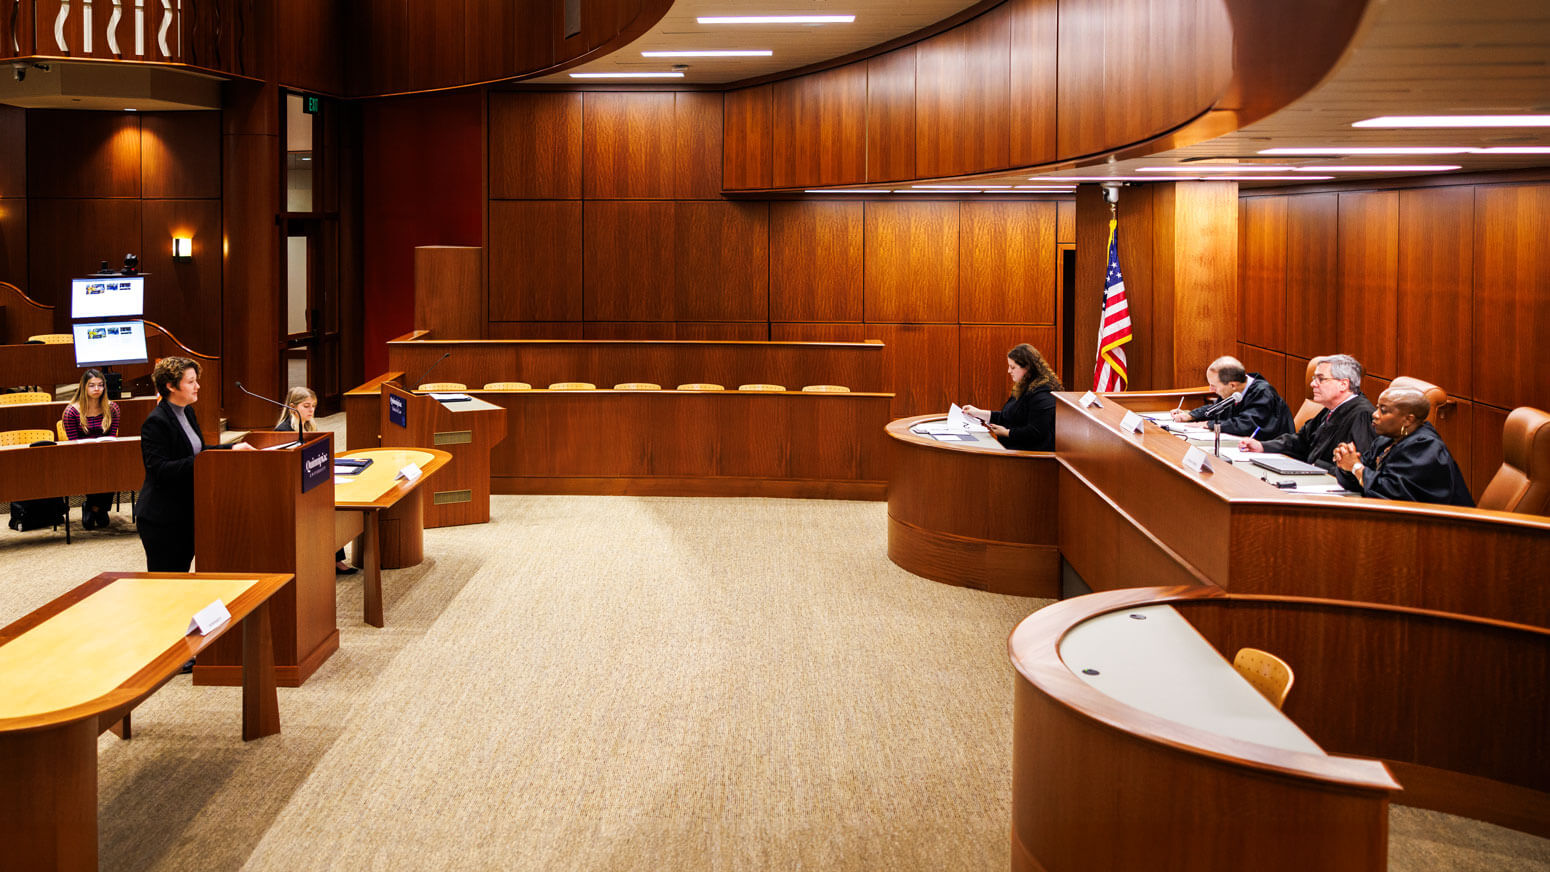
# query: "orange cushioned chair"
53,339
1309,408
573,386
25,437
637,386
760,388
442,386
1268,673
24,397
508,386
826,389
701,386
1522,484
1436,396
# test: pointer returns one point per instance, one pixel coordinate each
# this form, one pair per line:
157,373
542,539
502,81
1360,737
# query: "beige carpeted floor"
601,683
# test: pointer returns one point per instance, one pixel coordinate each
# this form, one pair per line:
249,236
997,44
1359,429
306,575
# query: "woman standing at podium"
170,439
1027,421
91,415
303,407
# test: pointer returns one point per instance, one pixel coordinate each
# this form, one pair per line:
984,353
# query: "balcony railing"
202,33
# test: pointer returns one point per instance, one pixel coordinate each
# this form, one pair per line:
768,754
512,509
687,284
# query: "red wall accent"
424,159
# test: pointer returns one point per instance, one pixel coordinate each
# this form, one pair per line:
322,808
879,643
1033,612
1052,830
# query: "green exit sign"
311,105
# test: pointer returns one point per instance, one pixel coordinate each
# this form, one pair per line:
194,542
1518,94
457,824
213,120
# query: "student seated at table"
1027,421
303,405
1346,417
1407,461
92,415
1249,406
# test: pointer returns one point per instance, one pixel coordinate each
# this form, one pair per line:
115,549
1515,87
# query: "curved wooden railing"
22,315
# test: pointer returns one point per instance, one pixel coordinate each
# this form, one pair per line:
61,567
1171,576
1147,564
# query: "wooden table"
384,515
71,469
973,513
79,665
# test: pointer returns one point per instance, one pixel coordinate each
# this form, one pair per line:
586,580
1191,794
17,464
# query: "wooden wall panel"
815,261
185,297
1008,272
502,37
920,364
1271,365
697,152
722,331
13,152
1262,309
535,145
450,291
67,238
628,145
1195,279
311,55
627,260
1369,276
83,154
1065,222
180,155
535,261
535,330
811,332
890,115
13,242
819,126
747,138
722,266
1433,311
911,262
1312,280
436,35
1032,92
1512,293
982,378
961,97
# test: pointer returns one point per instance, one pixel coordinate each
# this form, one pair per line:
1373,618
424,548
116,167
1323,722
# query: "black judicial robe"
1416,468
1315,443
1260,409
1031,420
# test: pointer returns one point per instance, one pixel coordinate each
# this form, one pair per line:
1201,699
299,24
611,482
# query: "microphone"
288,407
414,385
1222,403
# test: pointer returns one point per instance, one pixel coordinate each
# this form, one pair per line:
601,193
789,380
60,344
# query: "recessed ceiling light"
776,19
660,75
1378,168
1217,168
1045,188
729,53
1400,149
1456,121
130,109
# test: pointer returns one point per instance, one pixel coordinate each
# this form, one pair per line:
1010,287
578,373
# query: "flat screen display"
106,343
107,297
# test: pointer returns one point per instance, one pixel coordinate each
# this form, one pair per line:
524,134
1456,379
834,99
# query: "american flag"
1114,324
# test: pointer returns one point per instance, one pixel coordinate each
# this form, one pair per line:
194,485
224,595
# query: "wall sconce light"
182,248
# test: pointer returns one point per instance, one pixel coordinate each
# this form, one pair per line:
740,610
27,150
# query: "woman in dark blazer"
170,438
1027,421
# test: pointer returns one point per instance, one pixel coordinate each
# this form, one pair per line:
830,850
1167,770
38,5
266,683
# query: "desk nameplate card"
1196,460
1132,423
208,619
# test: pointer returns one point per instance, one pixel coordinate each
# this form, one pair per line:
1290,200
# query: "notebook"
1283,465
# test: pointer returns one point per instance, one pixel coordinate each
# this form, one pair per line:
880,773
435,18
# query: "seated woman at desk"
1407,461
1027,421
298,418
91,415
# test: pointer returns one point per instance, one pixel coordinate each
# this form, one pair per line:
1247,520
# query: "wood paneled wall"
1450,284
618,230
13,196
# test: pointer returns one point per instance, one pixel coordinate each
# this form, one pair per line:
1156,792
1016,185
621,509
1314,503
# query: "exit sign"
311,105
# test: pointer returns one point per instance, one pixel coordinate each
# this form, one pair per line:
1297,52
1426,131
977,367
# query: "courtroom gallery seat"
1268,673
701,386
573,386
25,437
637,386
1309,408
52,339
760,388
508,386
24,397
442,386
826,389
1522,484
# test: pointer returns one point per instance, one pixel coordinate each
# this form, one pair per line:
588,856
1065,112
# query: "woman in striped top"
90,415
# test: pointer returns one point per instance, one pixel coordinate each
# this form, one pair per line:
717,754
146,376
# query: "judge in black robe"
1407,461
1351,421
1249,406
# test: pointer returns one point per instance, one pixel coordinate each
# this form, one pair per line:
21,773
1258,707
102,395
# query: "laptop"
1283,465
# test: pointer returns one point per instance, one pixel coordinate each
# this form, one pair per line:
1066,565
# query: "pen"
1255,433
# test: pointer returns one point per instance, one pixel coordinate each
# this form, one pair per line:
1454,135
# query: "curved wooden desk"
384,515
972,514
79,665
1453,705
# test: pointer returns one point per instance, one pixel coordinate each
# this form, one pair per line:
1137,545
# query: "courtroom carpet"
614,683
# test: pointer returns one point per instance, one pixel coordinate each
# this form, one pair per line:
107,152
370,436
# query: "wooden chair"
24,397
776,388
573,386
825,389
25,437
1522,482
1268,673
637,386
508,386
442,386
700,386
52,339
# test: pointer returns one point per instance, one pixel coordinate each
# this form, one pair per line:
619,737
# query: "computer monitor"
106,343
107,297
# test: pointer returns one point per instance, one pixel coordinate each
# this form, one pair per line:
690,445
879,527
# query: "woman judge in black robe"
1407,461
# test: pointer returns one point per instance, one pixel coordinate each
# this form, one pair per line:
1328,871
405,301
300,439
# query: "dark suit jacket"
1261,408
167,498
1315,443
1031,420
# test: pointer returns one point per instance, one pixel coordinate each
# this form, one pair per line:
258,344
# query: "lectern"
466,429
271,510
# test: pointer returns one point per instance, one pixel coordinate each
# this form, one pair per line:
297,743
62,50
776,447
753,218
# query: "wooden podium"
467,430
253,516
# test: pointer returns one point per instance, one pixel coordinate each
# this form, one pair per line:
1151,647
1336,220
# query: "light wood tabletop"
378,485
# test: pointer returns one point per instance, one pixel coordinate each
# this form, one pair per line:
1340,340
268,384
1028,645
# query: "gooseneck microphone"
1220,403
288,407
415,385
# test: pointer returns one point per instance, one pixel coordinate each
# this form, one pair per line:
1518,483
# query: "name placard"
410,472
1197,460
398,410
208,618
1132,422
316,464
1089,400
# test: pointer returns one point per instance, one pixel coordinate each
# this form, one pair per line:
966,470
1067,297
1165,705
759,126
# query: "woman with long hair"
91,415
1027,421
303,403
